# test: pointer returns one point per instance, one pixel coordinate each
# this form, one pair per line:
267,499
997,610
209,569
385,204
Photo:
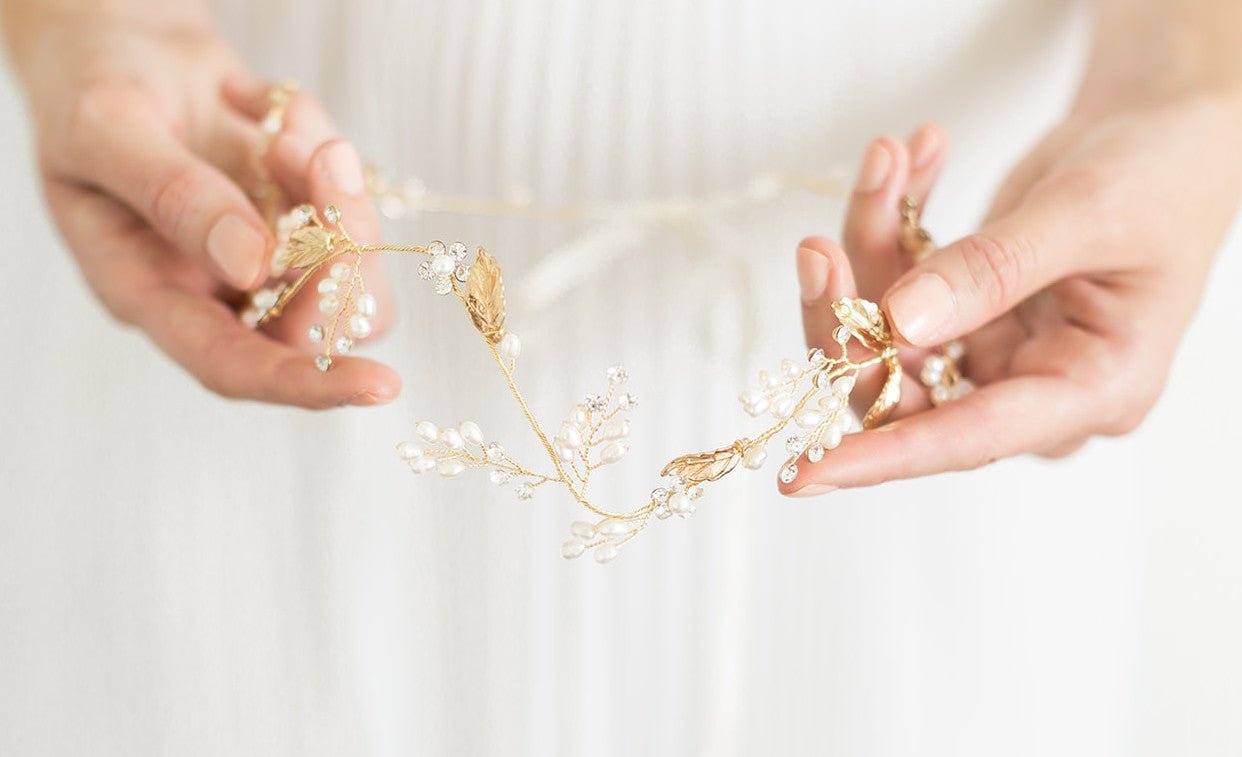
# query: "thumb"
963,286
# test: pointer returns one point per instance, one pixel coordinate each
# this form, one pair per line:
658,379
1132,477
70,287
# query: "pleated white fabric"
185,575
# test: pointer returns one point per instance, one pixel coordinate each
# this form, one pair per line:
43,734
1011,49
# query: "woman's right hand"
147,126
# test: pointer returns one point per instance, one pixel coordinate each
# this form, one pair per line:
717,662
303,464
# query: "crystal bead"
618,375
323,362
424,271
332,214
676,483
444,285
315,333
494,452
461,273
789,473
594,403
499,477
343,344
458,251
815,453
663,512
524,491
793,445
436,248
302,214
695,492
659,494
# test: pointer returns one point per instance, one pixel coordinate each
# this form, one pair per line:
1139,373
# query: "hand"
146,134
1071,298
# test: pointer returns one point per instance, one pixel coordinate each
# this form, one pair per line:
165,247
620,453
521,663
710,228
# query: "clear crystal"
676,483
458,251
618,375
695,492
815,453
594,403
793,445
462,273
524,491
302,214
499,477
444,285
627,401
323,362
435,248
659,494
789,473
315,333
343,344
332,213
663,512
841,334
494,452
424,271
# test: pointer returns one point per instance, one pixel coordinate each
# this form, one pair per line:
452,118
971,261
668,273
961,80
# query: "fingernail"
238,249
813,490
344,169
922,308
876,166
812,274
924,147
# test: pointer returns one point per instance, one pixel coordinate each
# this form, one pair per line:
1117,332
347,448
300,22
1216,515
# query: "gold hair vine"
812,394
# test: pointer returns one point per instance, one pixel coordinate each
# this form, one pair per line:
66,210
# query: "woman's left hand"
1071,298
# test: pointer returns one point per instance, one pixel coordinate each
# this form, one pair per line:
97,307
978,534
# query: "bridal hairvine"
812,394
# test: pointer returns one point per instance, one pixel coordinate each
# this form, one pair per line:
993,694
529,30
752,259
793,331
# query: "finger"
874,215
250,95
1000,420
974,280
1064,450
128,151
928,147
307,127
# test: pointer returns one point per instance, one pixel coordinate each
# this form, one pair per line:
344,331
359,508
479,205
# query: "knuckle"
171,196
95,105
996,267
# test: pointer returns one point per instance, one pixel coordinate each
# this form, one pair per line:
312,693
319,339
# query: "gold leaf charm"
889,395
485,297
307,247
705,466
865,321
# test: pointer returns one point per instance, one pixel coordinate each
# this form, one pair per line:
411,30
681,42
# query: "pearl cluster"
606,536
446,265
450,450
596,422
943,376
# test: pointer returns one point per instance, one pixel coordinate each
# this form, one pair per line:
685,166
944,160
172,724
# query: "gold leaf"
307,247
705,466
889,396
485,297
865,321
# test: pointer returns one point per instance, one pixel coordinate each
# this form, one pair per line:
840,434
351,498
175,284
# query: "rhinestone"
594,403
499,477
332,213
302,214
323,362
494,452
458,251
343,344
815,453
627,401
842,335
315,333
695,492
461,273
676,483
618,375
660,494
663,512
793,445
444,285
424,271
789,473
524,491
435,248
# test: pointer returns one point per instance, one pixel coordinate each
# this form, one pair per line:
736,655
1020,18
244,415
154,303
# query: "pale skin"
1072,296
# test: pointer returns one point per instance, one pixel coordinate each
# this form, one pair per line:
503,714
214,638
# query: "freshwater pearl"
808,418
510,346
613,452
471,432
427,430
329,304
680,503
790,369
328,286
954,350
755,458
449,468
782,406
579,416
768,381
443,265
264,299
367,305
753,402
843,385
582,530
409,451
572,549
605,553
841,334
452,439
617,428
359,326
422,464
830,403
341,271
612,527
565,452
571,435
831,437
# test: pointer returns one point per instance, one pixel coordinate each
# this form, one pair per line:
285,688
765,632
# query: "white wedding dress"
184,575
